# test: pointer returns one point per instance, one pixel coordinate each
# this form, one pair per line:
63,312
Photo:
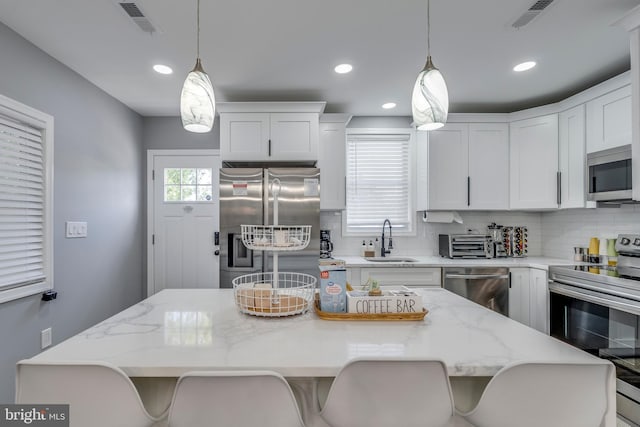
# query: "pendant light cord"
428,28
198,36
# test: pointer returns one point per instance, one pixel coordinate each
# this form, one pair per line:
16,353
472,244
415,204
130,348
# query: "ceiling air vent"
531,13
136,15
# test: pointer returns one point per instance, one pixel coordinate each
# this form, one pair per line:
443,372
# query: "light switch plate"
76,229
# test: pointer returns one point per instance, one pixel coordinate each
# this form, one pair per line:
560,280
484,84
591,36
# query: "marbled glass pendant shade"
197,101
430,99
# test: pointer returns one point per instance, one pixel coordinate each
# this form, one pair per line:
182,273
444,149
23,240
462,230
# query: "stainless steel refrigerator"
246,198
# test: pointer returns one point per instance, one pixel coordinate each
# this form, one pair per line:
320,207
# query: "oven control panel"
628,243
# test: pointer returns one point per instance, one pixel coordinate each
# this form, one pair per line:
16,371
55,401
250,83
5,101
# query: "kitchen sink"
391,259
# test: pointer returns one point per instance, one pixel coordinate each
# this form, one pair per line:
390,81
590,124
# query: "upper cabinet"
269,131
534,163
331,161
469,166
572,157
609,120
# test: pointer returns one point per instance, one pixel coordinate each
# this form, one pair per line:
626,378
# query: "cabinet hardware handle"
345,192
468,191
559,187
269,148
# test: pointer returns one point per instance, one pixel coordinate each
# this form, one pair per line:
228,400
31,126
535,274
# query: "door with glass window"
184,239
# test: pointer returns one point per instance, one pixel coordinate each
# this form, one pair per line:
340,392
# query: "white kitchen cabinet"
539,300
572,157
489,166
269,136
519,289
469,167
534,163
529,298
331,161
396,276
609,120
269,131
448,167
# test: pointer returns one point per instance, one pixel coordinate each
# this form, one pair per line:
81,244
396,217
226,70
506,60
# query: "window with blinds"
24,211
378,182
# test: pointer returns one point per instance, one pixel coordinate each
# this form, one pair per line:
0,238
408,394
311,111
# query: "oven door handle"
476,276
613,302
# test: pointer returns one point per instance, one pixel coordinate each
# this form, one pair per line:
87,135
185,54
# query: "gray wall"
98,173
164,133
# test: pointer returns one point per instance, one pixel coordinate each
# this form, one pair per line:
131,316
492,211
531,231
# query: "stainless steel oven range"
597,308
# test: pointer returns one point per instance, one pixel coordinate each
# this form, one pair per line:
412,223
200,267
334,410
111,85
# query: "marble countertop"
176,331
437,261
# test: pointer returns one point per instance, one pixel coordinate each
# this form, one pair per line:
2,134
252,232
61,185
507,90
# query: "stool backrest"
383,393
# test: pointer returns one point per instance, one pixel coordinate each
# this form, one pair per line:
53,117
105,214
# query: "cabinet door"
403,276
489,165
539,301
519,295
331,161
294,137
572,157
609,120
534,163
244,136
448,167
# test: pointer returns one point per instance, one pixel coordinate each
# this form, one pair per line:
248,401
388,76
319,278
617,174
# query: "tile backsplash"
426,240
552,234
562,230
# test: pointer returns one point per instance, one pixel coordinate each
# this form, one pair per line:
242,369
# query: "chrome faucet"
383,250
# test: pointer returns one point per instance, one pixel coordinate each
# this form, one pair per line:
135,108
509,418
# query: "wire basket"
276,237
274,295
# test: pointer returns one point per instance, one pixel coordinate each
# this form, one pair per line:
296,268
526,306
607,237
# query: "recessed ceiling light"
524,66
162,69
389,105
343,68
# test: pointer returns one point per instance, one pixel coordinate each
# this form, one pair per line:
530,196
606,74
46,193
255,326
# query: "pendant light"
197,101
430,99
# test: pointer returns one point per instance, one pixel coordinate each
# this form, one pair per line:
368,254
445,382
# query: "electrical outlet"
45,338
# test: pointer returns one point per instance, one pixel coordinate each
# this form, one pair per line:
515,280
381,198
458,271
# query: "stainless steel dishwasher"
487,286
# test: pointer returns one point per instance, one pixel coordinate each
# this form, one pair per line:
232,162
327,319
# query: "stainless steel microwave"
609,174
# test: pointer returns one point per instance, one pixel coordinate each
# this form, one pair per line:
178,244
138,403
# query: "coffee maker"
326,247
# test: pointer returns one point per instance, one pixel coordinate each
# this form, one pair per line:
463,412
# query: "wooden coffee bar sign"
389,302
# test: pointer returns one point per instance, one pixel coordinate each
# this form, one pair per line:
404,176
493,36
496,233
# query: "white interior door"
184,215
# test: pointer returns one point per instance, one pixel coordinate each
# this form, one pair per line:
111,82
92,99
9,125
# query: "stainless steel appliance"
609,175
495,232
326,246
465,246
246,198
486,286
597,308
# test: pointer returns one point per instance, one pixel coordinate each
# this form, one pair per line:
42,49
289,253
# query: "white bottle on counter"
363,249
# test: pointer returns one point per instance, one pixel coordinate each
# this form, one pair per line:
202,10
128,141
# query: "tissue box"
333,287
404,301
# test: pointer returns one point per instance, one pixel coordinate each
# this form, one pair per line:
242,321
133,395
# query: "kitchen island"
176,331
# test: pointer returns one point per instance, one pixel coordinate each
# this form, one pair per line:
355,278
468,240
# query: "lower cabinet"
528,298
396,276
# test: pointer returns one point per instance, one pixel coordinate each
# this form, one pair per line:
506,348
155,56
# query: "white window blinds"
22,204
378,182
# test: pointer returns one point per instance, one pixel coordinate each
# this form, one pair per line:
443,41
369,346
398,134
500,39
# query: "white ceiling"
285,50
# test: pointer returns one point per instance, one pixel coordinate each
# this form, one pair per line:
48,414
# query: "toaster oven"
465,246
